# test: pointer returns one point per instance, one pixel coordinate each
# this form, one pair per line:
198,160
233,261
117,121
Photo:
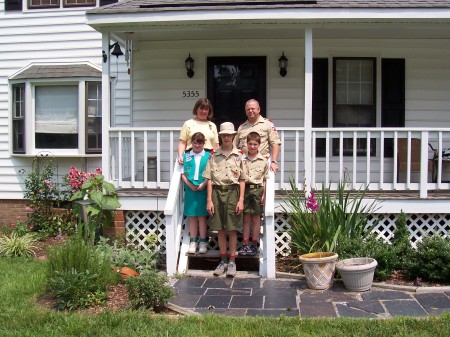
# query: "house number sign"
190,93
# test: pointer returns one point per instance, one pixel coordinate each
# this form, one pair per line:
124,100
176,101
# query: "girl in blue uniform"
194,163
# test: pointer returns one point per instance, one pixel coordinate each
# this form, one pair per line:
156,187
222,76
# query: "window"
354,99
43,4
13,5
94,117
74,3
57,117
36,4
18,119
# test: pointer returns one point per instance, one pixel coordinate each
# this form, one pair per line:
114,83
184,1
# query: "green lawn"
23,281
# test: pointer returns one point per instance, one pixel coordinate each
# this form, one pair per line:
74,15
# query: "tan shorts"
225,216
252,199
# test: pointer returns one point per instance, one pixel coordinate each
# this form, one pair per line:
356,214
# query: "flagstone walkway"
250,296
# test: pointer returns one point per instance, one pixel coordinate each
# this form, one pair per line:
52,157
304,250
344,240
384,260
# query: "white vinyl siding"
52,36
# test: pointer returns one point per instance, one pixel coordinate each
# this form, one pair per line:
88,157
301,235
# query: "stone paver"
405,308
435,303
250,296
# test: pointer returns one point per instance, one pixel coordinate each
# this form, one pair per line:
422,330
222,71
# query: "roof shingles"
134,6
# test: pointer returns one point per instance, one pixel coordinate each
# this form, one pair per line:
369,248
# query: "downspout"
308,107
106,108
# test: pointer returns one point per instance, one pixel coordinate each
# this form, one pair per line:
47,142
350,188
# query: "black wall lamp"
189,64
116,51
282,63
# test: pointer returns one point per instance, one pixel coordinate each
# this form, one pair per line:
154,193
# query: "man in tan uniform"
266,129
225,196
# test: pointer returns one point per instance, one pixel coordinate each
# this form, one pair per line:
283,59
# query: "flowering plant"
44,193
319,220
102,196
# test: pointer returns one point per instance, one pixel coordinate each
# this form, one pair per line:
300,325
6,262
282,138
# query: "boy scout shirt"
222,170
256,169
266,130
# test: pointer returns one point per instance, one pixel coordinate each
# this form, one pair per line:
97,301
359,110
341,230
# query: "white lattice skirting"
141,224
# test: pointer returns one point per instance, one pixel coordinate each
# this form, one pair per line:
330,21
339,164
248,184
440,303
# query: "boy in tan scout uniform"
257,169
225,196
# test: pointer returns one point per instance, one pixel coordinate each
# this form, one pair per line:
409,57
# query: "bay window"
62,117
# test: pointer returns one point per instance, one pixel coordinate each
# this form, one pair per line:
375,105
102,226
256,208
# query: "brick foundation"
117,228
12,211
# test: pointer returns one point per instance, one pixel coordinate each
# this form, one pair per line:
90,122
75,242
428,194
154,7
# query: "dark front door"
231,82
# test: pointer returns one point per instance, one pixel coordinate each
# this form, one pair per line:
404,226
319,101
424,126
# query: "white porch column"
308,106
106,108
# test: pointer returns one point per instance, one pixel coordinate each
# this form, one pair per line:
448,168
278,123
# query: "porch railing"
367,157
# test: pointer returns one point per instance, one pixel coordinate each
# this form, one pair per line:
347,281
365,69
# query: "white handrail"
267,267
173,212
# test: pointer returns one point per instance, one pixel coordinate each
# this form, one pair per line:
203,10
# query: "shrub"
15,245
149,291
77,274
43,194
400,241
431,261
130,256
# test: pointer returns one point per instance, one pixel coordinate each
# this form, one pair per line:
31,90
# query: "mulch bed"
118,294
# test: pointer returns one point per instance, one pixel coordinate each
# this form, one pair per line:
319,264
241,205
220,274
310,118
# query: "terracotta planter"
319,269
357,273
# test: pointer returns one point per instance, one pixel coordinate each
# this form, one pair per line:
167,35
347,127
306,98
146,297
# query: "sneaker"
252,250
202,248
192,247
245,249
220,269
231,270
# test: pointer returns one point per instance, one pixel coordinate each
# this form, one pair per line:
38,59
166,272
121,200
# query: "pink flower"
311,203
28,209
12,225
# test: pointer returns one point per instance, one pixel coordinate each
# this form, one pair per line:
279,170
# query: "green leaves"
103,197
17,246
340,213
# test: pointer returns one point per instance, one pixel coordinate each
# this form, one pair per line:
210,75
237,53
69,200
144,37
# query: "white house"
365,94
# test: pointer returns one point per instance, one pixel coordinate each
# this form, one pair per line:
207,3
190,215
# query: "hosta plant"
14,245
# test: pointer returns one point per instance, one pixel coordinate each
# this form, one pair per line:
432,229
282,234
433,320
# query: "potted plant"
318,221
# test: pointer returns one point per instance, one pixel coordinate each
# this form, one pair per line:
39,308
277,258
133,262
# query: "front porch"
366,157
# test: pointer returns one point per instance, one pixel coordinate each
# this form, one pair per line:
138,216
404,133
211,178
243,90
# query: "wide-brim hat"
227,128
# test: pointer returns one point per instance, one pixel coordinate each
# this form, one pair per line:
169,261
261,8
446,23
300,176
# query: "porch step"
210,260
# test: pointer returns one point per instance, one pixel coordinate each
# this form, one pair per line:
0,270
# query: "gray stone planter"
357,273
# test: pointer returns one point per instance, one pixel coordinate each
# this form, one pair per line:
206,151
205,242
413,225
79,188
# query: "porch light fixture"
116,51
282,63
189,64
